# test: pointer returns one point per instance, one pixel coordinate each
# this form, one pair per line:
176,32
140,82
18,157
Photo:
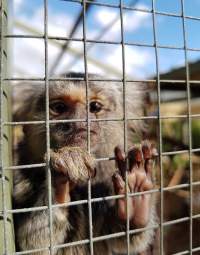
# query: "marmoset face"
68,102
70,122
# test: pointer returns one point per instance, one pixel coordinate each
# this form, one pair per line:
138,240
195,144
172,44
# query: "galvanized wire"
2,170
160,130
64,38
124,80
66,45
98,37
168,153
102,199
189,122
16,123
125,122
48,171
88,125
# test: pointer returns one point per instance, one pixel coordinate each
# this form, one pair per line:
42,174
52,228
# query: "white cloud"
59,24
137,57
29,53
105,17
133,20
28,57
136,60
17,4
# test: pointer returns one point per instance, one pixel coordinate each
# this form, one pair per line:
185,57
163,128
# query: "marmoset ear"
22,97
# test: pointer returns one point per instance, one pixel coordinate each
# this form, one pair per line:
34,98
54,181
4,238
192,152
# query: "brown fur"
30,185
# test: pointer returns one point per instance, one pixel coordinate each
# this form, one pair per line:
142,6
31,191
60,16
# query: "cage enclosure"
78,79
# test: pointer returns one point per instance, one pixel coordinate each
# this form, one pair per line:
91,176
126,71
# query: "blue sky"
138,28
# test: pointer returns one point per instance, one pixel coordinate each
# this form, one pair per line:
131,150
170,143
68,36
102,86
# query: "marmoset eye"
95,106
58,107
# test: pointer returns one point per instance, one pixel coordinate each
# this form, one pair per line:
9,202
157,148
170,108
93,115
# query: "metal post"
6,222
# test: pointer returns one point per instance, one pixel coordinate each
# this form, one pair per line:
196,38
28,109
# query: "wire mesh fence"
186,82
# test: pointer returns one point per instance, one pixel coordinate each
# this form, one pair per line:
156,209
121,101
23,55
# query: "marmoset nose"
81,125
66,128
72,127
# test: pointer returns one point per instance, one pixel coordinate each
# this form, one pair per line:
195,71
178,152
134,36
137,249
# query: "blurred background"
104,56
103,24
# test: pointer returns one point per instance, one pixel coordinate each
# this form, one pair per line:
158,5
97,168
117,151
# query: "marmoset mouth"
84,130
79,137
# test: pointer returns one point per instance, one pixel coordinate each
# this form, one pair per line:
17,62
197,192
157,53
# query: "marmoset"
72,165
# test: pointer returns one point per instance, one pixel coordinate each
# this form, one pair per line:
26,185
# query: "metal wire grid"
3,176
189,121
47,122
